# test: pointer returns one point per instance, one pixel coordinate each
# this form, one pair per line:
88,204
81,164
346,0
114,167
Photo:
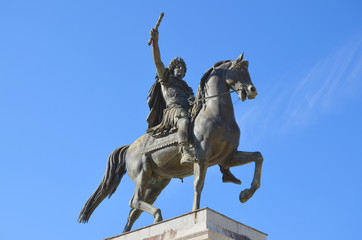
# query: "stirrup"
187,159
186,156
229,177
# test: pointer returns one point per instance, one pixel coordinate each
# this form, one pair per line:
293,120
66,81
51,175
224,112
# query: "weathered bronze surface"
186,135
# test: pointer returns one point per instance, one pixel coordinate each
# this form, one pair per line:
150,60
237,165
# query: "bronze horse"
215,136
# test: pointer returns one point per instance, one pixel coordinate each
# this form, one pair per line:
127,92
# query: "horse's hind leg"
138,202
150,197
240,158
132,217
140,172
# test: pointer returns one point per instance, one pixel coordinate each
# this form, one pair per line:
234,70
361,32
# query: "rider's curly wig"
176,61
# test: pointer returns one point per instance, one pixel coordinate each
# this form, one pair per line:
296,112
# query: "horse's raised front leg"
199,180
240,158
150,197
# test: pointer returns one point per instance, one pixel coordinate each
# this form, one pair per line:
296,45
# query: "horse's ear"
240,58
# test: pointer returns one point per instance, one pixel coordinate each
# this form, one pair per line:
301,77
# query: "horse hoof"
158,217
244,196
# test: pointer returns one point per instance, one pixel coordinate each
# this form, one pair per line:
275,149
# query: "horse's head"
238,79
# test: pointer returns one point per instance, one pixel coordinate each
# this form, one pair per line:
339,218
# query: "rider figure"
170,112
169,100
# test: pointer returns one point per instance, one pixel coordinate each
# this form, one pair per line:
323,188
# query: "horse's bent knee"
259,158
134,203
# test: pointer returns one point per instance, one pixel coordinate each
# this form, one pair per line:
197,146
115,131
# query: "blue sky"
74,76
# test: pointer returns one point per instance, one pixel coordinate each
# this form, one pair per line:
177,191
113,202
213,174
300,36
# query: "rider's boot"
186,155
227,176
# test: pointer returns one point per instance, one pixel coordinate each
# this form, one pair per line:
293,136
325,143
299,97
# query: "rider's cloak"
156,104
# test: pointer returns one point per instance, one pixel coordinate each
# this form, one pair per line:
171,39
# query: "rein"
218,95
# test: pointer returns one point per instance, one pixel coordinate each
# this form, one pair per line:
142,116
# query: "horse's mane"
199,100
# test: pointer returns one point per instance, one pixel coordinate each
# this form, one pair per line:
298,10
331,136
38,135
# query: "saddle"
153,144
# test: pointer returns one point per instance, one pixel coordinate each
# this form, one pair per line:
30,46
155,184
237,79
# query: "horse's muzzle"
249,92
242,94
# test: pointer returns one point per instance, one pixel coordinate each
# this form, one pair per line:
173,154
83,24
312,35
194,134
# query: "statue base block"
198,225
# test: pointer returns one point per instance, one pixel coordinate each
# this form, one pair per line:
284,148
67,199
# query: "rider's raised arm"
156,54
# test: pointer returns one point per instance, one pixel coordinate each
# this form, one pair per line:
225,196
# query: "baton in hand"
156,27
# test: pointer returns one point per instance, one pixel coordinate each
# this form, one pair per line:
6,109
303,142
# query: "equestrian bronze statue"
185,136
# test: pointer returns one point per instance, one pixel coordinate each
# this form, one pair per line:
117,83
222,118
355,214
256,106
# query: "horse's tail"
116,168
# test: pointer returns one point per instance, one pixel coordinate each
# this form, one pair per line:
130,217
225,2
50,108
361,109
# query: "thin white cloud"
330,82
326,84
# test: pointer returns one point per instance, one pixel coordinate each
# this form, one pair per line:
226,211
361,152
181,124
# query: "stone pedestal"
199,225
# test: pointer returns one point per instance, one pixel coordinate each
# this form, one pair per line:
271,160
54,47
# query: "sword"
156,27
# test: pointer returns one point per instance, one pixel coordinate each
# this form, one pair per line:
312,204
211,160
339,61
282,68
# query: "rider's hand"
154,34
